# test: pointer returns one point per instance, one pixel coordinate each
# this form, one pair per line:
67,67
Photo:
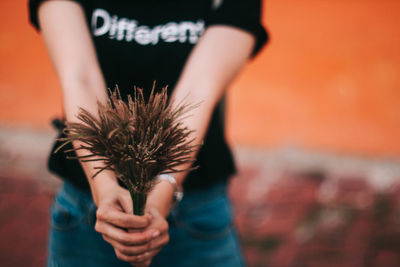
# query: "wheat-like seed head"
137,140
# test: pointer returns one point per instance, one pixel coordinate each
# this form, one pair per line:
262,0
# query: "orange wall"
329,79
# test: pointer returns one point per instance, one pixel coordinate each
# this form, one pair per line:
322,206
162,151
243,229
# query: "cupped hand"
136,239
127,233
142,254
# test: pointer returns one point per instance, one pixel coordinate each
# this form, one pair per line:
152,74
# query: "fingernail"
156,233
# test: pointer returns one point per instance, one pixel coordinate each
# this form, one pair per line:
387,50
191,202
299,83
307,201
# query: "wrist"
102,185
178,192
161,198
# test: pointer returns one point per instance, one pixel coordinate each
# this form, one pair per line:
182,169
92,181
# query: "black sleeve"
33,6
243,14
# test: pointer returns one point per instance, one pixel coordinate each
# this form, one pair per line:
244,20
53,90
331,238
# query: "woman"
195,47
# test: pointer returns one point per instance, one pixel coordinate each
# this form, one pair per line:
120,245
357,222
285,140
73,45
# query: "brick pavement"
24,212
308,219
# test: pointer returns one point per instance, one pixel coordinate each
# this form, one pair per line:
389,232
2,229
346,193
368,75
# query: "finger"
159,224
138,259
122,219
128,250
155,248
154,244
126,203
122,236
159,242
147,263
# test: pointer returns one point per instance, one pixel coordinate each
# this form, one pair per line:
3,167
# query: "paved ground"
292,208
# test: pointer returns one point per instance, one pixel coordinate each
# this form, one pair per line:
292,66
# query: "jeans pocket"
66,212
210,219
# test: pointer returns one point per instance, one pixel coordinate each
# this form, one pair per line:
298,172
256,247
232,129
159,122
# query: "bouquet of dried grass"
138,140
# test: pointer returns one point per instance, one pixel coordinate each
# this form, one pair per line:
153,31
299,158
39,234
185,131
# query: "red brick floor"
298,220
24,212
307,219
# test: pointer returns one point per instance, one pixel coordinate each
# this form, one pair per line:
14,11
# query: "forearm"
85,95
73,56
214,63
84,89
211,67
161,197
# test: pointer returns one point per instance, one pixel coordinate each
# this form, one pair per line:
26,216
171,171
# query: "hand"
127,233
142,254
160,224
158,205
136,239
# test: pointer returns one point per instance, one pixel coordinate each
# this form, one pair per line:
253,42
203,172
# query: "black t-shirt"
139,42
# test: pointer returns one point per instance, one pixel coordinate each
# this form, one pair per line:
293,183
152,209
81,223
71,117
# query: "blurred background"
314,122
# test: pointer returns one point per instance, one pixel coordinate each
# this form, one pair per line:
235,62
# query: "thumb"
126,202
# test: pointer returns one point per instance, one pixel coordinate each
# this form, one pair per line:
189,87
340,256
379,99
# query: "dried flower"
138,140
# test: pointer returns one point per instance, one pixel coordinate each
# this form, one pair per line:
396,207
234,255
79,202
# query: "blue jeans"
200,229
